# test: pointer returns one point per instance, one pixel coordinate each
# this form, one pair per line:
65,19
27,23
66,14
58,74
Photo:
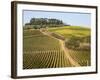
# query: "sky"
72,18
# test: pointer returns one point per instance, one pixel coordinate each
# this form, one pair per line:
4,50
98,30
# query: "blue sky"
72,18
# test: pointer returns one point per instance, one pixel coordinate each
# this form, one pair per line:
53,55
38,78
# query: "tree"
45,22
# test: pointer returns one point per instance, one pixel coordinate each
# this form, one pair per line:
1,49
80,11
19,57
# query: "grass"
68,31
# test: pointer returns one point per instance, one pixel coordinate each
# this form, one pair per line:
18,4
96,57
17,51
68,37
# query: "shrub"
28,28
78,43
72,43
37,27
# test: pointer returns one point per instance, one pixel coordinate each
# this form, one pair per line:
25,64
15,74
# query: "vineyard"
82,54
82,57
41,51
39,42
45,59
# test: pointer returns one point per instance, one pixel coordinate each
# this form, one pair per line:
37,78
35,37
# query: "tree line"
45,22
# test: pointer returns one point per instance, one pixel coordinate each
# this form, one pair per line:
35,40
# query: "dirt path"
72,61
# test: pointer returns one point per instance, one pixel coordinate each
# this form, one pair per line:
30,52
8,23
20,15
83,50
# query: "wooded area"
37,23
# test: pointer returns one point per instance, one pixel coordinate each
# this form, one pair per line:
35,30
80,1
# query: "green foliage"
28,28
79,43
37,27
44,22
72,43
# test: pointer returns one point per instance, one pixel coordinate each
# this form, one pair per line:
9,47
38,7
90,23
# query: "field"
81,56
41,49
68,31
35,41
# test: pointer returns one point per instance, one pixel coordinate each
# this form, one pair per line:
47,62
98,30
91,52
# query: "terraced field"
42,51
